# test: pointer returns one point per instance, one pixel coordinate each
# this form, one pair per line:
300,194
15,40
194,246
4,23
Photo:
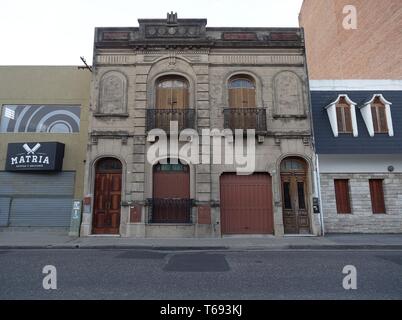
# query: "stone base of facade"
362,219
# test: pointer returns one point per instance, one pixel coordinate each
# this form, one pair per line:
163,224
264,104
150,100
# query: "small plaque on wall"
135,213
204,214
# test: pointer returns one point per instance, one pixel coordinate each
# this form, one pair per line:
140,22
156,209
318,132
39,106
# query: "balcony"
245,118
160,118
169,210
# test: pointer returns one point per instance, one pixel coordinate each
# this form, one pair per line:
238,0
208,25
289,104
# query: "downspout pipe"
317,170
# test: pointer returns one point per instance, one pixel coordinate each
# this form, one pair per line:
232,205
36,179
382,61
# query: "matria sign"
35,156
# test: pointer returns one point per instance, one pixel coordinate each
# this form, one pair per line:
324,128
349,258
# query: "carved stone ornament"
288,95
113,93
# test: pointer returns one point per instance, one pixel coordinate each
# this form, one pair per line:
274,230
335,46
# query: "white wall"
359,163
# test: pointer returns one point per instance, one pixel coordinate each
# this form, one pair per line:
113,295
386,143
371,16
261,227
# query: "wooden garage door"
246,204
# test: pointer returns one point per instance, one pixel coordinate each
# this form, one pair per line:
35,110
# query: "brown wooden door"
171,194
106,218
246,204
294,204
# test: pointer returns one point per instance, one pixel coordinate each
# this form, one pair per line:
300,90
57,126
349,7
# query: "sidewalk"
58,239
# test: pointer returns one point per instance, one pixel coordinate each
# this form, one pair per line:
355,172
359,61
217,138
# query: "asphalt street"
221,274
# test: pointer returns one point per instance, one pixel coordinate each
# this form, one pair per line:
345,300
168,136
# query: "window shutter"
377,195
348,119
383,119
375,119
339,119
342,196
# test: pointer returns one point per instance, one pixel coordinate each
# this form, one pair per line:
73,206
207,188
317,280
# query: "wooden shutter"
339,118
375,119
377,195
342,196
348,119
382,119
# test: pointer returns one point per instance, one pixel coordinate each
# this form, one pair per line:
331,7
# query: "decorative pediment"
173,27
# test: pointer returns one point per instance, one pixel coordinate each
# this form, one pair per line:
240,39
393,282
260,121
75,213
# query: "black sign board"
35,156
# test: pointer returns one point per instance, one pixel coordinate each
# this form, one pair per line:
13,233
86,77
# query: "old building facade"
203,79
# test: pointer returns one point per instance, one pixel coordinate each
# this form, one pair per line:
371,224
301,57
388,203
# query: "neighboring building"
372,51
43,134
357,122
358,134
204,78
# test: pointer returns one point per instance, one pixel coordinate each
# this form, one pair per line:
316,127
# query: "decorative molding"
288,95
115,59
112,93
111,115
367,115
240,59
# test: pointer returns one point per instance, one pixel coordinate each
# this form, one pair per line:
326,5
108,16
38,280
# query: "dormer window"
342,116
376,114
379,116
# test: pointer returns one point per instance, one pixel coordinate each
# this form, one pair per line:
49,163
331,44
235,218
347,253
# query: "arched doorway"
171,201
294,196
107,196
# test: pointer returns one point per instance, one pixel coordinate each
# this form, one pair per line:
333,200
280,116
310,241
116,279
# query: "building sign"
35,156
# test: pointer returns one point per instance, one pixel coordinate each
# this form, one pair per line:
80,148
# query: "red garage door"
246,204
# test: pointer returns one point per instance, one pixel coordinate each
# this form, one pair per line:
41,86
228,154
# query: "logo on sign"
31,158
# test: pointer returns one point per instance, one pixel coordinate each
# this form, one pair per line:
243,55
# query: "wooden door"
246,204
294,204
107,202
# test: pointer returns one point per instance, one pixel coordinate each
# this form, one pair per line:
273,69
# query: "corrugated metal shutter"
40,212
41,199
246,204
4,211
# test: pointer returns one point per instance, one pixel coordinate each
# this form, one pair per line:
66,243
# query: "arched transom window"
242,92
172,93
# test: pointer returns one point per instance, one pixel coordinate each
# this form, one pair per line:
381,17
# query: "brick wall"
372,51
362,220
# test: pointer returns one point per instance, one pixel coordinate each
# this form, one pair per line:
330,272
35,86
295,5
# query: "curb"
208,248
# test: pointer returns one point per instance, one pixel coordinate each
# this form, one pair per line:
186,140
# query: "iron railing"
245,118
161,118
169,210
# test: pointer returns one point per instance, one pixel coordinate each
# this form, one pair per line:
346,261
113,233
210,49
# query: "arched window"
293,164
172,92
241,92
343,116
108,165
379,116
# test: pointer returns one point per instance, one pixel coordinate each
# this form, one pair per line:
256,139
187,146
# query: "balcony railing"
161,118
245,118
172,210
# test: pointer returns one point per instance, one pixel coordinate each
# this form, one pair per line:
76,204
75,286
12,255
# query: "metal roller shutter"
43,199
246,204
4,210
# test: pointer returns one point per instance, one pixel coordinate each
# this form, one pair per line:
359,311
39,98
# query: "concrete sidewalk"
58,239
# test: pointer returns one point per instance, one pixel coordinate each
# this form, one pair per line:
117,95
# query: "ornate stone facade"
128,64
